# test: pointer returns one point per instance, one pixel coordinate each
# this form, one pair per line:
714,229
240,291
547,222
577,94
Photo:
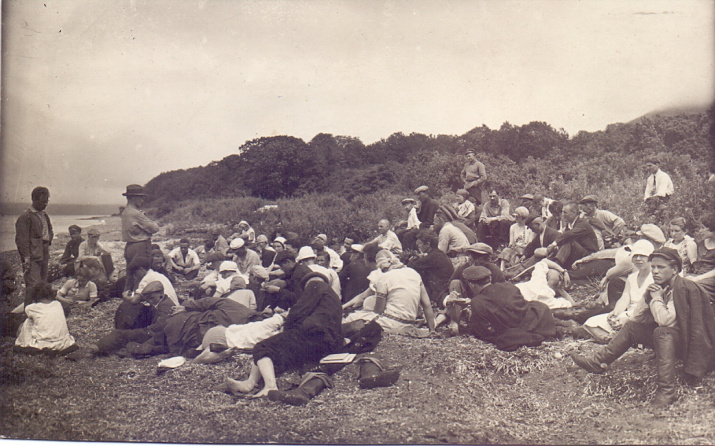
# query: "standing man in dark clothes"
353,276
578,239
434,266
283,293
428,206
33,236
71,251
137,228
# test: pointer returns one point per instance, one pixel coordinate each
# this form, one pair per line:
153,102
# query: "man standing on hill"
33,236
137,228
658,189
473,176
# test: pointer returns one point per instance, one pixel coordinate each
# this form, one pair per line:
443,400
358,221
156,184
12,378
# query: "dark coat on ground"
501,316
185,330
696,324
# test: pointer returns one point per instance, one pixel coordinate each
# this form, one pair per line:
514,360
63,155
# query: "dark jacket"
501,316
582,233
696,323
187,329
353,278
435,269
318,314
28,235
426,212
550,234
71,251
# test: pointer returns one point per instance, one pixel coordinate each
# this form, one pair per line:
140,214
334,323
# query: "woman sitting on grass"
45,329
311,331
80,291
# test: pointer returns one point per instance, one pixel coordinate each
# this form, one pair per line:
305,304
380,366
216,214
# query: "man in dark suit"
544,236
428,207
577,241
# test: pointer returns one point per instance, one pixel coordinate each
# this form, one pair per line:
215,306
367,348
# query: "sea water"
60,223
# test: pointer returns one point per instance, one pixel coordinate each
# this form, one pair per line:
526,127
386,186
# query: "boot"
312,384
598,362
372,374
665,358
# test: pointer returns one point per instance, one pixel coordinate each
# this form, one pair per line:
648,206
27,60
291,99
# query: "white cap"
228,265
237,243
357,247
306,252
642,248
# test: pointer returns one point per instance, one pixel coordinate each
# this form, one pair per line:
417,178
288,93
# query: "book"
338,358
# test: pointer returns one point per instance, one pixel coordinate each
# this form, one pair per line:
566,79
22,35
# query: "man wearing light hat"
428,207
137,228
264,250
244,257
227,271
91,248
675,318
473,176
319,245
306,257
607,225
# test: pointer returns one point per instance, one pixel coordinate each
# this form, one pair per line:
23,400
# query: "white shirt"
412,220
191,259
389,241
658,185
152,276
333,279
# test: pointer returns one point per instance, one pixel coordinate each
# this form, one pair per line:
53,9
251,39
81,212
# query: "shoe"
588,363
312,385
372,374
79,355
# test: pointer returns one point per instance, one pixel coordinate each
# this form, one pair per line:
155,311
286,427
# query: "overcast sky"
100,94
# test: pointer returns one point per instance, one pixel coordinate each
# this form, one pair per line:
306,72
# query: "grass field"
451,390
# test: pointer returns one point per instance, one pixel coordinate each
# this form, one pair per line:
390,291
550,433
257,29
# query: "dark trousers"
188,276
570,252
131,250
641,333
593,269
291,349
36,272
494,232
614,289
116,339
131,316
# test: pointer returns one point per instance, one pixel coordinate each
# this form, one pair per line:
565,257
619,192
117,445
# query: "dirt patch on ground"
452,390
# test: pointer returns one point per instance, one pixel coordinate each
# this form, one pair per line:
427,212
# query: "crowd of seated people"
477,266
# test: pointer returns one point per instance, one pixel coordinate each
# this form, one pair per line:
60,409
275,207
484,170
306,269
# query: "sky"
100,94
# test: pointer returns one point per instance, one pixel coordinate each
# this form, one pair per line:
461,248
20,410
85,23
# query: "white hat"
306,252
357,247
228,265
642,248
237,243
281,240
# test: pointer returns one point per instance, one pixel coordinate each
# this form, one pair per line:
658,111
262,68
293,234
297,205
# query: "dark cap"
134,190
668,254
153,287
589,199
476,273
75,228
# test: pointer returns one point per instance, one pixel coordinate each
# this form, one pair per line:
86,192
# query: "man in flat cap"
499,313
428,206
607,225
473,176
160,307
675,318
33,236
137,228
71,253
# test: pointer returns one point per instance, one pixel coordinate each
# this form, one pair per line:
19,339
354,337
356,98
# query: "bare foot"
263,392
238,387
453,329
